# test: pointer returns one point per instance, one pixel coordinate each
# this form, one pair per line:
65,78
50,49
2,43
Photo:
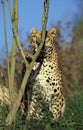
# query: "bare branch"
19,46
15,107
6,41
9,7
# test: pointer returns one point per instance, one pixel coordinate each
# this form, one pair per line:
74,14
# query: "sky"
30,14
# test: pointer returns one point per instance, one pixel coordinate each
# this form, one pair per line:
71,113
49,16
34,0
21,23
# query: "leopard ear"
33,30
52,32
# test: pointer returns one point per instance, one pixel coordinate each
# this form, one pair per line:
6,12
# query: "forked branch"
29,67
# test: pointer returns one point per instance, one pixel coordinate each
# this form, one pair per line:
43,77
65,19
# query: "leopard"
48,81
4,92
4,96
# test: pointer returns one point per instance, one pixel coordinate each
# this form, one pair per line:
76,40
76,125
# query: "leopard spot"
47,80
53,83
55,90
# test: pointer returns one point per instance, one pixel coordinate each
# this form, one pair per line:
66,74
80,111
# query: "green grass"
73,116
72,119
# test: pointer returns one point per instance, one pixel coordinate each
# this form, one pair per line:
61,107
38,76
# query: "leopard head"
36,37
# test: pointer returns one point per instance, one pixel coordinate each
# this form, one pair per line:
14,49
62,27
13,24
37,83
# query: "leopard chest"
49,78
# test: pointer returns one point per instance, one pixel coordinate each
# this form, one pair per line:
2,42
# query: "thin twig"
73,124
9,7
19,46
6,41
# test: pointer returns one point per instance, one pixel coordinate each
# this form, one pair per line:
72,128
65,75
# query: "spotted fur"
48,82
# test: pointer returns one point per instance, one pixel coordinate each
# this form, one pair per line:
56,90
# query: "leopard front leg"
57,106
